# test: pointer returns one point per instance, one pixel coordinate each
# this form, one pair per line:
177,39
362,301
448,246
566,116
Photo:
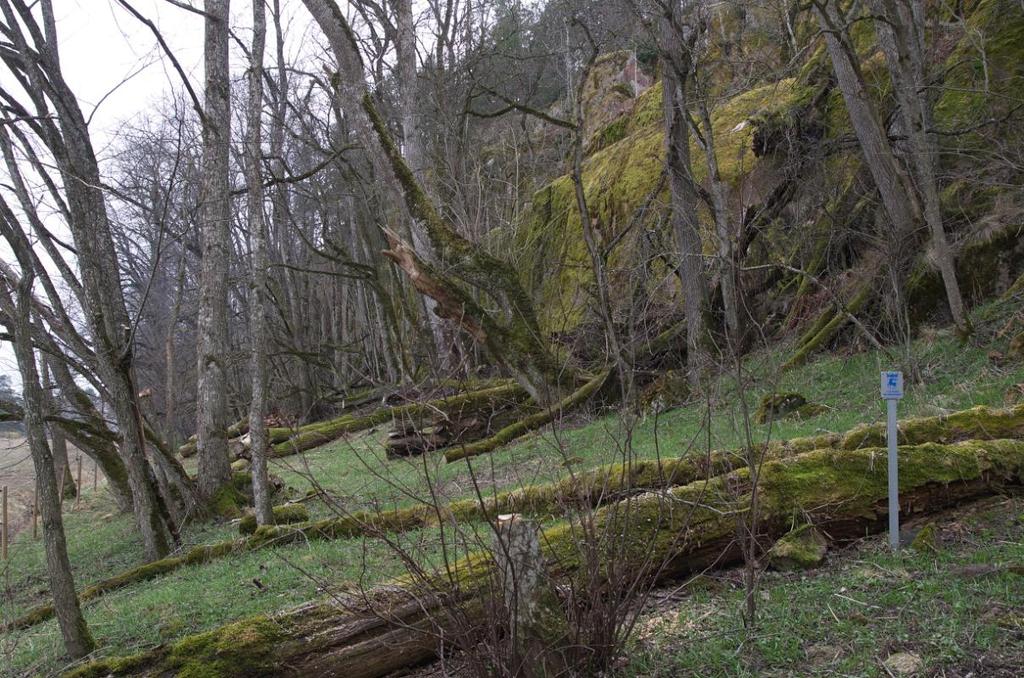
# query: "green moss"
777,405
623,184
227,502
926,540
801,549
244,648
285,514
115,666
985,72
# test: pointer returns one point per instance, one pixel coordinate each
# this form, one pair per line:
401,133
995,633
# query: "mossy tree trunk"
511,335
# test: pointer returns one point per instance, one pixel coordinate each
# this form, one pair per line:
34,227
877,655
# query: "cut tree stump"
666,533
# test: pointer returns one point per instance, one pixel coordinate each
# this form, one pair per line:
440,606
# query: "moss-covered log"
530,423
239,428
314,435
591,488
666,534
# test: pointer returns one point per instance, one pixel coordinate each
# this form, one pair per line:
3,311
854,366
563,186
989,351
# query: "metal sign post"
892,391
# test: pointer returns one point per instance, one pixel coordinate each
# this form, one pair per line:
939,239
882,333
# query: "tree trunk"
901,33
215,219
412,149
258,245
894,186
77,640
676,42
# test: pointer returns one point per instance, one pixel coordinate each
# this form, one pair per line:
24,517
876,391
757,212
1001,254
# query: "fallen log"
587,489
530,423
664,534
314,435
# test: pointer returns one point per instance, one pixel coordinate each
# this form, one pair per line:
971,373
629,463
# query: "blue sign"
892,385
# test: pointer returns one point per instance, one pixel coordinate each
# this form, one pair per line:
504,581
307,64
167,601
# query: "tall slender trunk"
258,245
77,639
412,149
894,186
58,443
170,367
215,217
723,229
901,33
676,67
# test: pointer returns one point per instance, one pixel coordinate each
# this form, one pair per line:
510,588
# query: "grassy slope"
357,474
849,617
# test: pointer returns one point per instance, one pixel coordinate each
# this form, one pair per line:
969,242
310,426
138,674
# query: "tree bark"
676,42
258,245
77,640
894,185
901,33
215,218
515,340
67,138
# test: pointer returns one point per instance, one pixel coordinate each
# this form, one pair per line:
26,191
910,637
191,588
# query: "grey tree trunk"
901,33
258,245
511,334
894,186
676,42
77,640
412,149
214,470
723,229
58,443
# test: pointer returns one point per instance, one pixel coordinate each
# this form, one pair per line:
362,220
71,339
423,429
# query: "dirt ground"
18,475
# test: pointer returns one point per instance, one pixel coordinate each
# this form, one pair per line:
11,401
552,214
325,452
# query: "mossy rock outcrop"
285,514
802,549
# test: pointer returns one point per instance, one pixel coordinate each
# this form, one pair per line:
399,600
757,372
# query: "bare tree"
901,32
32,58
676,38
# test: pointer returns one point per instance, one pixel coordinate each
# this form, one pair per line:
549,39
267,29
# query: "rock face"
802,549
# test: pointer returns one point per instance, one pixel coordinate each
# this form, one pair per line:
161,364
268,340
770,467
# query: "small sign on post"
892,391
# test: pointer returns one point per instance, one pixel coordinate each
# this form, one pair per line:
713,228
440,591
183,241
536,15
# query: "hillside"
798,611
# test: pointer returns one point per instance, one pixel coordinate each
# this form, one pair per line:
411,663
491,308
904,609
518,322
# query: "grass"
357,474
849,617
